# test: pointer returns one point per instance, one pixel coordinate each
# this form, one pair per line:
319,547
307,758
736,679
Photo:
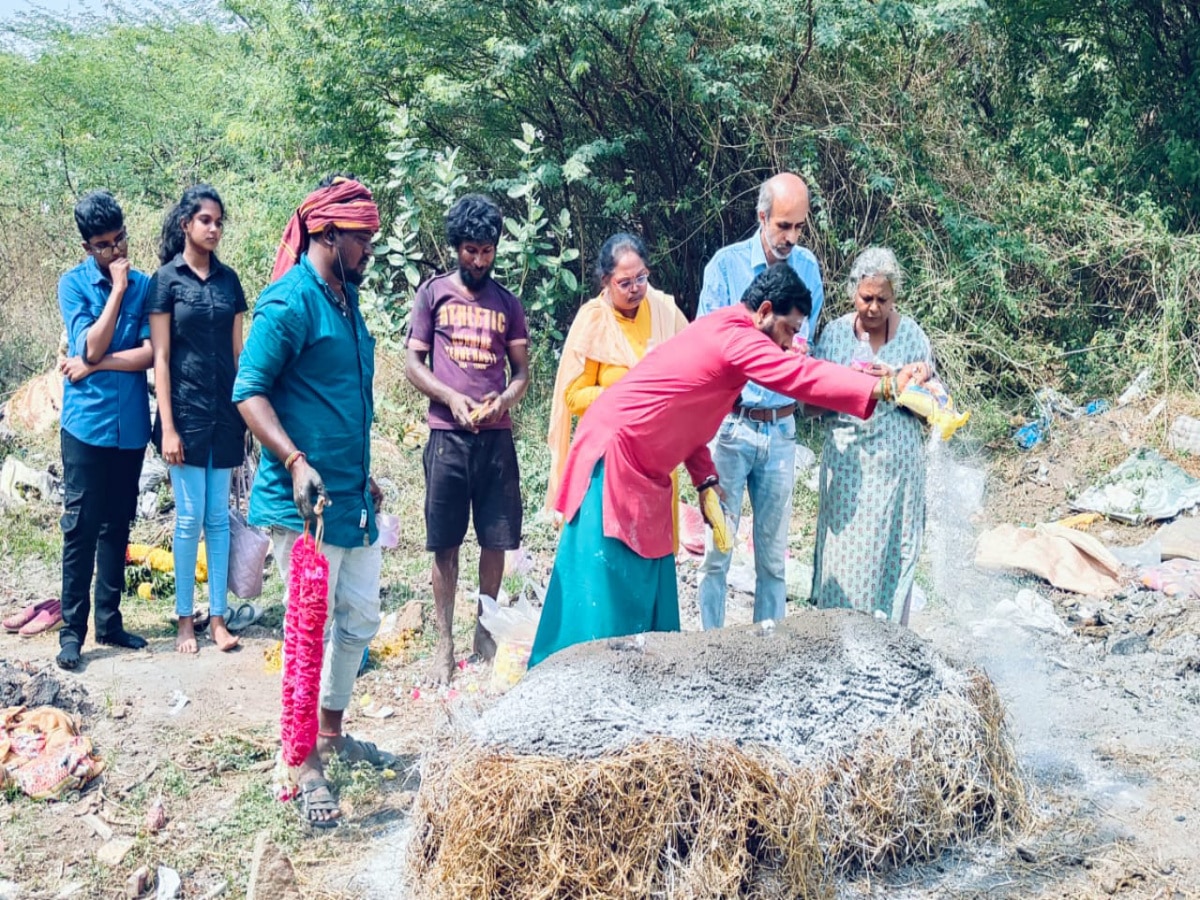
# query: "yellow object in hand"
710,507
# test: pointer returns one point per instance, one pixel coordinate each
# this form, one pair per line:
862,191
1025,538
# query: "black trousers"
100,486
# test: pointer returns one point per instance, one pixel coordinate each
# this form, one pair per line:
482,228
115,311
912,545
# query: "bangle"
710,481
292,457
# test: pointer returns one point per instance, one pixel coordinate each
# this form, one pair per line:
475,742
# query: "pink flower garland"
303,637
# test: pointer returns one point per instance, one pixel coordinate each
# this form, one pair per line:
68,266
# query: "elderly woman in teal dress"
872,477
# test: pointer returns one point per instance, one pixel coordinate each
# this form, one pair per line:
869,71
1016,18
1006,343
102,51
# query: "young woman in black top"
196,306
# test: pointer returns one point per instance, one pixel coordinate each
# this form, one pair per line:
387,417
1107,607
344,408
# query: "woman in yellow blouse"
610,334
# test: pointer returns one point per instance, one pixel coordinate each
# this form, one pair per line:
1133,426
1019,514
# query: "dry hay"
694,817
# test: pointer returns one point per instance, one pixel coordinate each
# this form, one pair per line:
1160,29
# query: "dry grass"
708,819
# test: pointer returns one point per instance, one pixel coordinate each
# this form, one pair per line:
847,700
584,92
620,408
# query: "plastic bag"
514,628
931,402
247,555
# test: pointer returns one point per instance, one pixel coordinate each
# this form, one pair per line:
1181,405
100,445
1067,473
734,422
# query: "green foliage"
532,255
1105,88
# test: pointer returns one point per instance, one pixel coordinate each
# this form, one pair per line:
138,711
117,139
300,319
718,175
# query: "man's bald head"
782,212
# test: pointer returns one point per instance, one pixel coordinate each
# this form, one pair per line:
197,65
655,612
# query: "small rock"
114,852
9,890
138,883
99,826
156,817
1026,855
1138,643
271,874
411,618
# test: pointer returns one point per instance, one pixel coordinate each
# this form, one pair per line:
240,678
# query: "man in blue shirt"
755,447
304,386
105,423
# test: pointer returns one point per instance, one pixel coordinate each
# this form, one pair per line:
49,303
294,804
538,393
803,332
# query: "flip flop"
316,796
353,750
243,617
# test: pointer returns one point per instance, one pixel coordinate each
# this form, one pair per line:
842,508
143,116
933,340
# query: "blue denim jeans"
201,503
759,457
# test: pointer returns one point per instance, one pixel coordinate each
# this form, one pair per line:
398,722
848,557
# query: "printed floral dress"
872,487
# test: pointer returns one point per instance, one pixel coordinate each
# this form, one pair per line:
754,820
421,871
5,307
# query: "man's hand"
118,271
490,409
461,407
308,490
376,494
75,369
172,448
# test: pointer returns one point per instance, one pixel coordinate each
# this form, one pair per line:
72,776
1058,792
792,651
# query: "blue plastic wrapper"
1029,436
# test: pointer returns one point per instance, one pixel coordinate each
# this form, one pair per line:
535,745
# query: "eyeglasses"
629,284
106,250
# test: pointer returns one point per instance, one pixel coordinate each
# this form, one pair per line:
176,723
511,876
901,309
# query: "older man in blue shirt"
755,447
105,423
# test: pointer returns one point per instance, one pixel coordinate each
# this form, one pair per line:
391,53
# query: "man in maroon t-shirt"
465,334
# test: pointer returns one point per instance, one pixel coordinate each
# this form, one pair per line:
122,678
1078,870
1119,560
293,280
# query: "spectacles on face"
104,251
628,284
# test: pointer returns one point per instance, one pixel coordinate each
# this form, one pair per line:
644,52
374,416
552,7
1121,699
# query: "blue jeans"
759,457
201,502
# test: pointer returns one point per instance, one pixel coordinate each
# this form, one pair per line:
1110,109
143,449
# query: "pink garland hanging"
303,639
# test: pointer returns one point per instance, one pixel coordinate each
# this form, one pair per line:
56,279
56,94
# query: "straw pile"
707,804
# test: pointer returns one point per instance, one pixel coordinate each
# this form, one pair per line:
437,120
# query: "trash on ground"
1147,553
1080,521
178,701
169,884
1175,577
1143,487
1138,388
1180,539
42,754
1068,559
1031,610
1184,435
21,484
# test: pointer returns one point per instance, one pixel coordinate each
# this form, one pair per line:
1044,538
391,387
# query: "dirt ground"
1106,715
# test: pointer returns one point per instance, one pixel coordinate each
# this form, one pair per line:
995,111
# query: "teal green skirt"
599,587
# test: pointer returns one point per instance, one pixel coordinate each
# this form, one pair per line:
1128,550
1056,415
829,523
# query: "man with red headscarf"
304,388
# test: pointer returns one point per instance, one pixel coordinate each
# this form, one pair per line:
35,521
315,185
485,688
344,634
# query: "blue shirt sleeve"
714,291
276,337
76,312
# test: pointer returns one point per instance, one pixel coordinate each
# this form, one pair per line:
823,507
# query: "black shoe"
68,656
123,639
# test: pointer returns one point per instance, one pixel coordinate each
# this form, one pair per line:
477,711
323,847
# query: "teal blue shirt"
315,362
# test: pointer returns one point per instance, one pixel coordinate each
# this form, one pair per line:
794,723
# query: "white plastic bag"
514,628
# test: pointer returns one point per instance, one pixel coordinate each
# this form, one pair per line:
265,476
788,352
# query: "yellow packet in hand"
714,514
930,402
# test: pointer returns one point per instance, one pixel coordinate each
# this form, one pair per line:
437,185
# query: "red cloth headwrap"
345,204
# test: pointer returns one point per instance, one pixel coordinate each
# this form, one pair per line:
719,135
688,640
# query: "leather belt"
764,415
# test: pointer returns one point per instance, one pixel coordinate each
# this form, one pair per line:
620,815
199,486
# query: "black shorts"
472,475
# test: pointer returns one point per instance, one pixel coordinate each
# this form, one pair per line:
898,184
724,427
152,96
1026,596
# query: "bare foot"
441,669
485,645
221,635
185,641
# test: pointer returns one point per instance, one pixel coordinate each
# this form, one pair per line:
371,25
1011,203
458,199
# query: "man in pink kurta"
666,410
